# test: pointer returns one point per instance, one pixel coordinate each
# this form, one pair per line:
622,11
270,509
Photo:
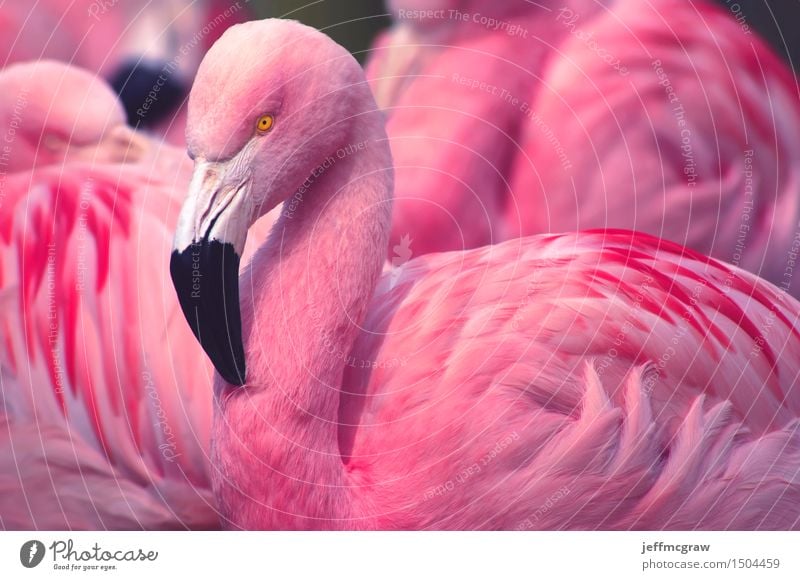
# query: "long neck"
275,440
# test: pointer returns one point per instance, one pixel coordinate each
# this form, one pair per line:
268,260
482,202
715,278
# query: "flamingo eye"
265,123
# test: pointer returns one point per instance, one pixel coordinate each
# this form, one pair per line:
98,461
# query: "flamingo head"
271,101
53,112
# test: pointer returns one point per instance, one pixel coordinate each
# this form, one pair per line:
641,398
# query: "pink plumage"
518,118
90,358
95,357
105,422
596,380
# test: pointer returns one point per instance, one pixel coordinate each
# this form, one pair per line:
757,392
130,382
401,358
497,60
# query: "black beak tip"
232,376
206,280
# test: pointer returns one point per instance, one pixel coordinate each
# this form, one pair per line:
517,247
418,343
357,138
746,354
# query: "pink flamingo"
52,113
602,379
664,117
147,49
104,424
452,146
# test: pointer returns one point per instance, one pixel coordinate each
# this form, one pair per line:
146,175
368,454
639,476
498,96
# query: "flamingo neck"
307,290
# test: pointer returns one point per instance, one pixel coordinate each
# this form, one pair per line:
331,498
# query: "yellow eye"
265,123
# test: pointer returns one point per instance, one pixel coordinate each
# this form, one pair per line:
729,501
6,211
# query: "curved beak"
212,230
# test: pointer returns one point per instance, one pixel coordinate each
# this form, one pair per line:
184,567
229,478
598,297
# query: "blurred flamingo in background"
635,383
453,147
519,118
105,418
148,50
49,111
104,425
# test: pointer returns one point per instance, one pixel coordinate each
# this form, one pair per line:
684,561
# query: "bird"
453,146
667,117
88,207
603,379
102,424
147,51
51,111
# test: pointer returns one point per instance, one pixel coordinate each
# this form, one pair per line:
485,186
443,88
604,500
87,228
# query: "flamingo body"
95,358
98,429
573,363
664,117
93,394
695,135
626,379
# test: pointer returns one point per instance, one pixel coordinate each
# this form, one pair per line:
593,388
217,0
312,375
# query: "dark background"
354,23
778,21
